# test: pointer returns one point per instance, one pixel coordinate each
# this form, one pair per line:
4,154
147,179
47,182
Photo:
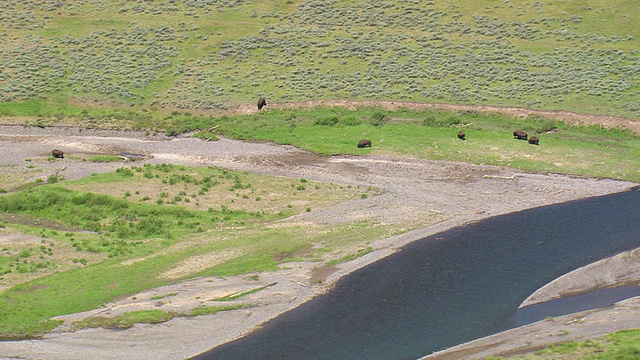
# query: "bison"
364,143
261,103
520,135
534,140
58,154
461,135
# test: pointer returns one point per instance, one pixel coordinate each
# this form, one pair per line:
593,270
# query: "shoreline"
579,326
247,320
447,194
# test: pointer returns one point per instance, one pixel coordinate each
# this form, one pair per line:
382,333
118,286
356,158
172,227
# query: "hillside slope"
59,58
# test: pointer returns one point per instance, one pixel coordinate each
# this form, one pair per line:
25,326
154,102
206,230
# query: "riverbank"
573,327
446,194
619,270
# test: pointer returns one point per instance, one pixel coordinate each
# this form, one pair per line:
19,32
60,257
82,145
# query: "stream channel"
453,287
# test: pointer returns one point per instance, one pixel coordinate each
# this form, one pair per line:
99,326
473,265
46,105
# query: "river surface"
449,288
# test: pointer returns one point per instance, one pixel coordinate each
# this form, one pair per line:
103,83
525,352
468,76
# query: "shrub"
326,121
124,171
54,178
433,121
378,118
350,121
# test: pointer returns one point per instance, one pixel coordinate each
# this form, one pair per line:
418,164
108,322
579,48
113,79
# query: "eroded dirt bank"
566,116
441,194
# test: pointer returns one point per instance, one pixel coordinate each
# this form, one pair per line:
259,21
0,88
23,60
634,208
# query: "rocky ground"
446,194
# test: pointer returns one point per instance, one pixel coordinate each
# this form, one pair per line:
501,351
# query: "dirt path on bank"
523,113
446,194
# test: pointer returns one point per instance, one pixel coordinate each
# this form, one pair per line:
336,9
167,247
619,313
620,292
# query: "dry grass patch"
217,189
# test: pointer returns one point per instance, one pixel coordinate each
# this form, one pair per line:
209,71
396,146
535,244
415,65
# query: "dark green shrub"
430,120
124,171
326,121
433,121
378,118
350,121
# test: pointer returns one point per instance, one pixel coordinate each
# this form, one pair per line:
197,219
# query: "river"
449,288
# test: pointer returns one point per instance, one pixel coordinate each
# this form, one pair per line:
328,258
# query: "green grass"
587,151
619,345
111,217
360,253
105,158
98,232
127,320
158,297
242,294
210,310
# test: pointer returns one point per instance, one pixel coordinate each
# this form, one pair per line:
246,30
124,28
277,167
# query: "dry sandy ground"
441,194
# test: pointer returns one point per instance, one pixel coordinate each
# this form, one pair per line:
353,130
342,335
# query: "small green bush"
326,121
124,171
350,121
432,120
378,118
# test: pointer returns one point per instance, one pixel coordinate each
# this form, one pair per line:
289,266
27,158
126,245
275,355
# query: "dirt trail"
567,116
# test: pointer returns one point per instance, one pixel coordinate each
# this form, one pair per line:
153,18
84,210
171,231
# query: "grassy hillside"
59,58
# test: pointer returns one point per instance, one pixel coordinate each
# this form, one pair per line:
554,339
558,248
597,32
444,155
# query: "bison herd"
521,135
518,134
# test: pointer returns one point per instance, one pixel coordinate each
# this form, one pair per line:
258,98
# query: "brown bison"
534,140
520,135
261,103
461,135
364,143
58,154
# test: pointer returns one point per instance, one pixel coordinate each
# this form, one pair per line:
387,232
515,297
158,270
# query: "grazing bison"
461,135
520,135
534,140
262,103
364,143
59,154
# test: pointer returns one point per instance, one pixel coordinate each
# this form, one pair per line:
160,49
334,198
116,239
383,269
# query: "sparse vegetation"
242,294
117,60
566,148
127,320
618,345
102,229
359,253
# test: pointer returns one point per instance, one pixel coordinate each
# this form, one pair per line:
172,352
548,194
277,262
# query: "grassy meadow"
564,148
82,249
179,66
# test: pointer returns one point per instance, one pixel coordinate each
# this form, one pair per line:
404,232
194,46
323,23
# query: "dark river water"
449,288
